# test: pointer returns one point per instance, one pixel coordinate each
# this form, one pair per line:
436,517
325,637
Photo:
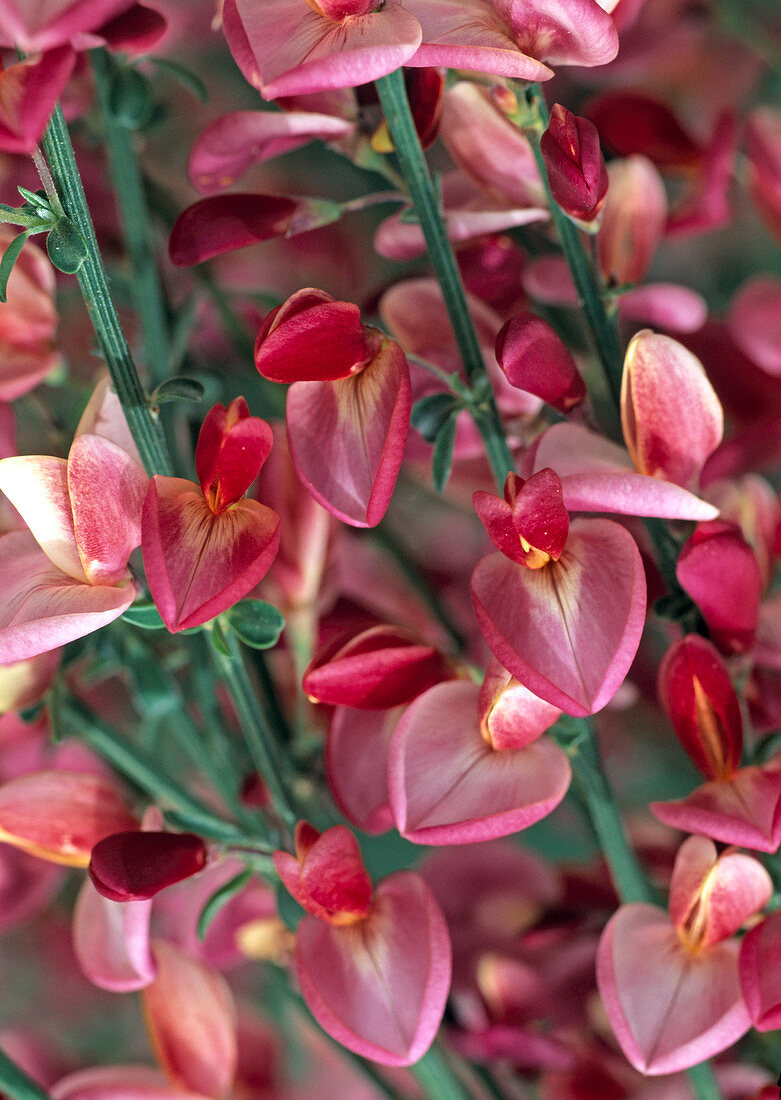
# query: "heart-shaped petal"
568,631
446,783
379,986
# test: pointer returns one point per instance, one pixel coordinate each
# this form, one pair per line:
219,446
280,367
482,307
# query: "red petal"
137,865
226,222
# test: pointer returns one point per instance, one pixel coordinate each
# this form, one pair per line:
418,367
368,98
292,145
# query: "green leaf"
144,615
10,256
409,216
219,898
184,75
290,912
257,623
442,459
430,414
181,388
37,199
219,641
66,247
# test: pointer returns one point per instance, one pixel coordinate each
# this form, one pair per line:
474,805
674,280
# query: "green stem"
602,327
702,1081
437,1076
578,739
143,769
94,287
136,224
260,740
393,97
15,1083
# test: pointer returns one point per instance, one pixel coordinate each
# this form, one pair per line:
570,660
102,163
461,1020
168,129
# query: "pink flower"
373,964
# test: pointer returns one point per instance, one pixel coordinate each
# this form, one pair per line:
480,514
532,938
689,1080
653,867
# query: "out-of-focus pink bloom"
191,1020
754,321
379,668
489,149
120,1083
670,414
348,408
632,123
373,965
25,682
61,816
534,359
288,48
705,206
576,168
233,143
27,321
29,91
518,38
763,149
223,223
720,572
205,548
122,24
633,219
751,503
465,767
68,574
670,984
111,941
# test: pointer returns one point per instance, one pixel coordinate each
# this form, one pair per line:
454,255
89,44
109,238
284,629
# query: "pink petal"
22,368
118,1083
312,338
469,34
379,986
760,973
43,608
111,941
754,322
226,222
745,810
28,318
347,437
668,1009
233,143
534,359
50,23
670,414
61,816
198,563
568,631
664,305
27,886
333,874
37,486
596,476
136,30
191,1020
561,32
510,714
447,785
103,415
356,751
298,51
633,220
106,488
29,91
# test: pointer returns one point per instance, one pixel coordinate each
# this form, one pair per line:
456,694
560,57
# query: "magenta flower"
373,964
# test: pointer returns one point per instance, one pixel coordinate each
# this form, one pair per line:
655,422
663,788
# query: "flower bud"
576,168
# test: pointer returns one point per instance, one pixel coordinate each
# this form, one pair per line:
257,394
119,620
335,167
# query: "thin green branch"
94,287
398,115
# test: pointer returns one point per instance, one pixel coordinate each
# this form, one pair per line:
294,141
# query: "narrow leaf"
442,459
219,641
219,898
257,623
38,199
10,256
144,615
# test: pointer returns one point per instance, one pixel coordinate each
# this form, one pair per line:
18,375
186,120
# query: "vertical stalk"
393,97
136,225
94,287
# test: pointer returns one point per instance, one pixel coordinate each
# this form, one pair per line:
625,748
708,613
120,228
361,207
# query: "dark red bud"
576,167
137,865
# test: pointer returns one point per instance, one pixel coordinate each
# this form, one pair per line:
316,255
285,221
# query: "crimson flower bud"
696,691
576,167
134,866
